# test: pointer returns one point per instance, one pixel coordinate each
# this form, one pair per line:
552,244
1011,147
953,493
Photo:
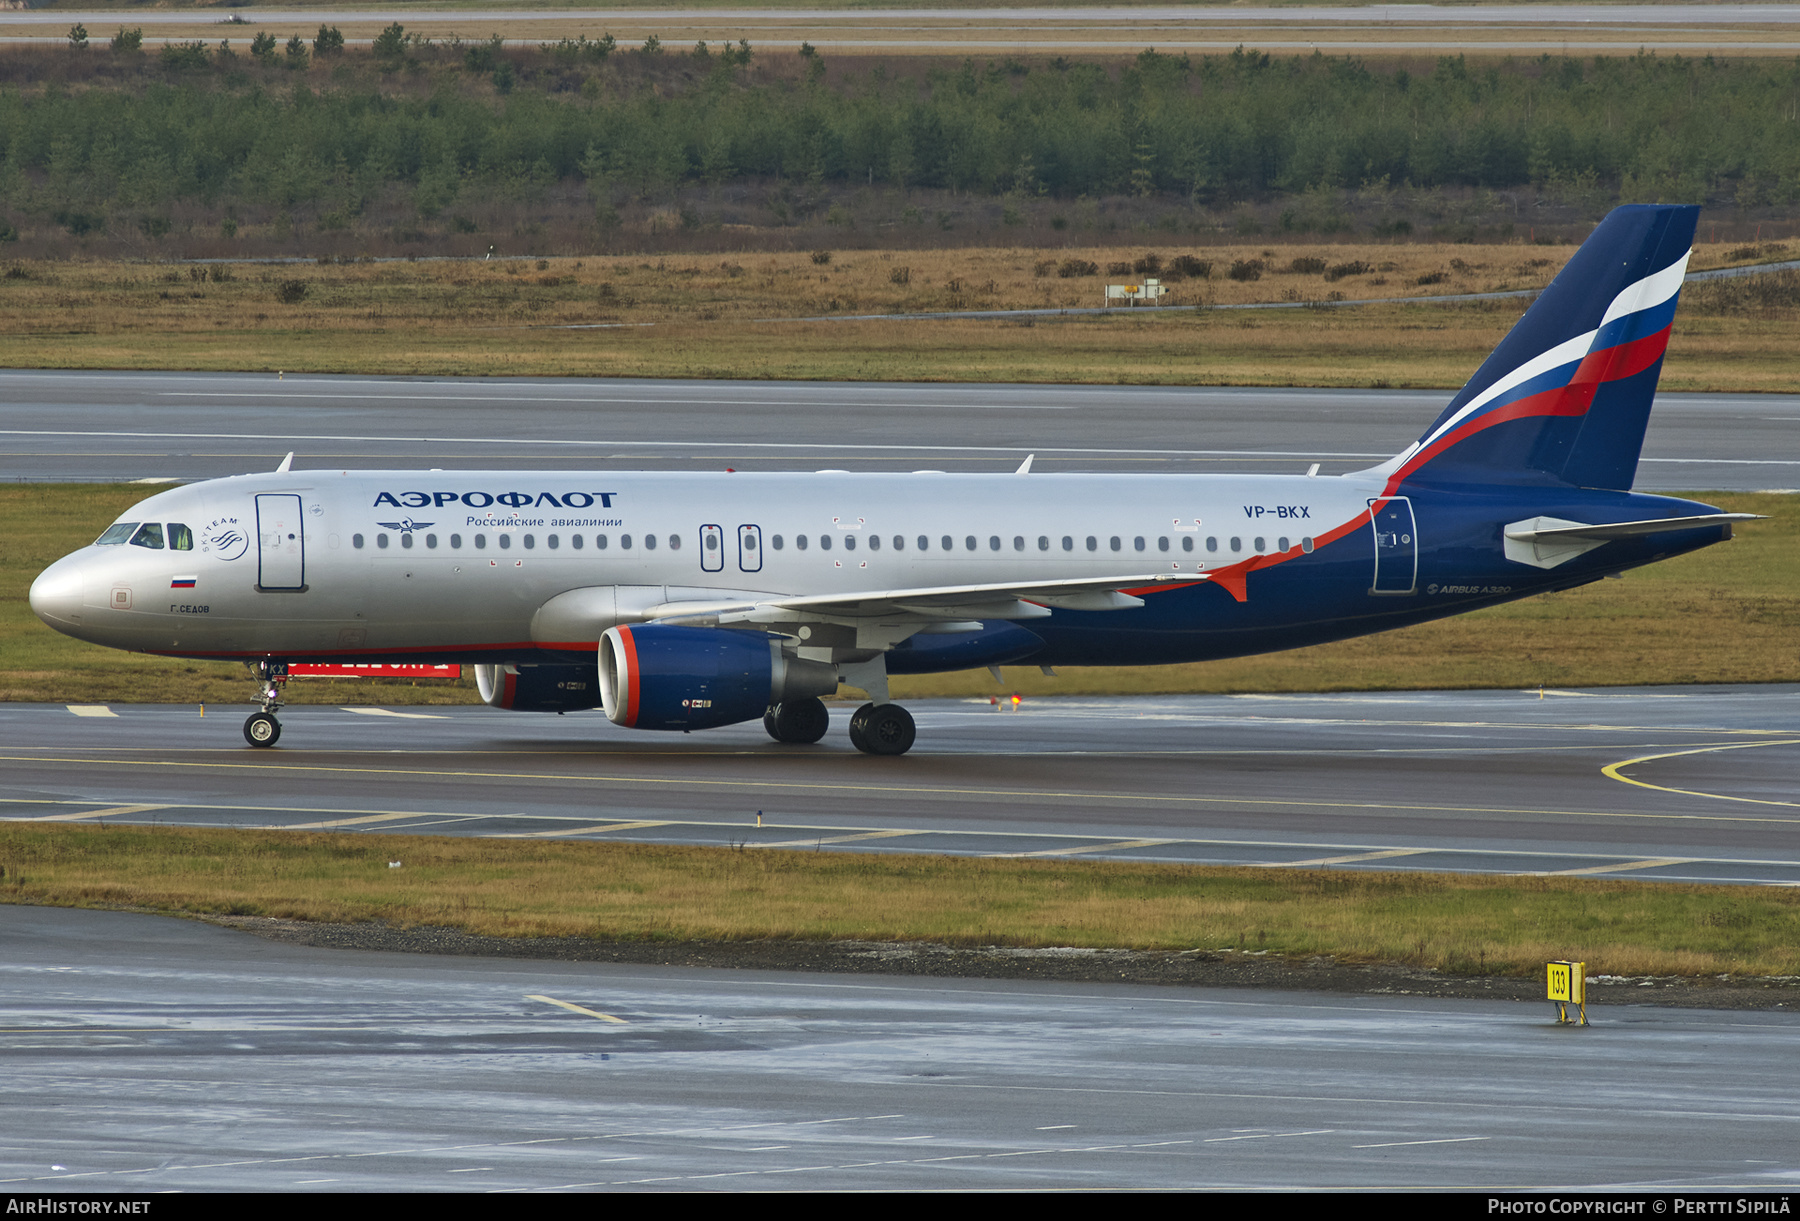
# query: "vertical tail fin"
1567,394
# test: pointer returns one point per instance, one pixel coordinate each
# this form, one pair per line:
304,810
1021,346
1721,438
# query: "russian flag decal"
182,582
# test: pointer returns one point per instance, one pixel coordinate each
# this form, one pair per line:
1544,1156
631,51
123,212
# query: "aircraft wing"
926,606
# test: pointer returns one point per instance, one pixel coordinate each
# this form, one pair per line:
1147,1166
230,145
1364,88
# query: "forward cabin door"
1396,546
280,543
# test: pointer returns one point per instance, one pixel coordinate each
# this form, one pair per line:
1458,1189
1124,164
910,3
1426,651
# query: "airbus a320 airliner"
681,601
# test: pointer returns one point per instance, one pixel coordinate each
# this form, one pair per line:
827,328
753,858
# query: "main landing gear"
875,729
801,721
262,729
882,729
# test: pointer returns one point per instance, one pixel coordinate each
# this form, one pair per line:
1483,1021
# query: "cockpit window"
116,534
180,537
149,535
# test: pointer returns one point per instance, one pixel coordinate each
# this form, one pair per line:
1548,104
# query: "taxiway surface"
147,1054
81,426
1680,783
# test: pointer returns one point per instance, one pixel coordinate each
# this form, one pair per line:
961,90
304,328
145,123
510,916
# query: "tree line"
115,132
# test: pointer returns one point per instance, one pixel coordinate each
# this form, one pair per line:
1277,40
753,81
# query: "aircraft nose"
56,594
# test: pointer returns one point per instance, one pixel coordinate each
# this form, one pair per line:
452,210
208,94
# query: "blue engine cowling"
539,688
654,676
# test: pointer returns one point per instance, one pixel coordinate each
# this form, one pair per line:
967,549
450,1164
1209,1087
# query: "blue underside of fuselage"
1325,596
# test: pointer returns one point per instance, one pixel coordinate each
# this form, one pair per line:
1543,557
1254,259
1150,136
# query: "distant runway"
80,426
1505,29
145,1054
1675,784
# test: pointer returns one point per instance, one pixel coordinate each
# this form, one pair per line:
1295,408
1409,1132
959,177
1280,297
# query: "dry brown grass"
726,317
642,892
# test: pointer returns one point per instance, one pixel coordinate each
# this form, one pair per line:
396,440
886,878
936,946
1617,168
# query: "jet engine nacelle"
539,688
661,677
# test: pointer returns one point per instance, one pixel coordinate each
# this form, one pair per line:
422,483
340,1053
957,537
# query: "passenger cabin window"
406,540
148,535
625,542
180,537
505,542
356,541
381,540
776,542
455,541
116,534
599,542
800,541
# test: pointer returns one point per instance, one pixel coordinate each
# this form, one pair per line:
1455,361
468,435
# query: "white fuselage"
397,563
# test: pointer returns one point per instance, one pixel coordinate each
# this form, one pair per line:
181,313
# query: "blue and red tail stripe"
1567,395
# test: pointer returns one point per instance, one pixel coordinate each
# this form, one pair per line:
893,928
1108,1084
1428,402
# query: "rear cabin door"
1396,547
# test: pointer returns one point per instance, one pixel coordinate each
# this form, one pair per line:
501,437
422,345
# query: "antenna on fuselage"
1025,466
285,463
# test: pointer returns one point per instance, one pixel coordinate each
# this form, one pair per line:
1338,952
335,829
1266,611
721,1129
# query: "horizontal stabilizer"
1545,542
1625,529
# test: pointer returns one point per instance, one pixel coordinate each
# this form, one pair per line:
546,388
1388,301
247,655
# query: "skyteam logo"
224,538
484,500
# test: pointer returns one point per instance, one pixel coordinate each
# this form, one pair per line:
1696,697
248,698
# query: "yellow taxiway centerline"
573,1008
1611,770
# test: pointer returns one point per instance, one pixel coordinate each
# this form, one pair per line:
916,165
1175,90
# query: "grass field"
1726,614
743,317
1487,925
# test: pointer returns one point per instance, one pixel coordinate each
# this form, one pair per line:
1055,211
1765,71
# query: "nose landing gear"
262,729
